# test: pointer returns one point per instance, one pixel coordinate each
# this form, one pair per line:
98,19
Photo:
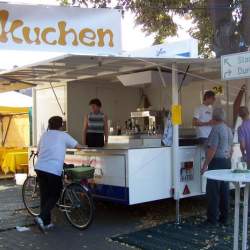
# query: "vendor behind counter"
95,127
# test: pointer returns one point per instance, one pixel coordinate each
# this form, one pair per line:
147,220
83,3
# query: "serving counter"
132,174
150,140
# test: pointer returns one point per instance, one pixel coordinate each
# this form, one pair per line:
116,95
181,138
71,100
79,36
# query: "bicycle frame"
72,195
70,199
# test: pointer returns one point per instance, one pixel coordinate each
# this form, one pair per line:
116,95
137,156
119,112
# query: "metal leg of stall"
236,216
175,146
227,102
34,118
178,218
245,217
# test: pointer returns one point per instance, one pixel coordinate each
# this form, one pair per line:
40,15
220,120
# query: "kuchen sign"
60,29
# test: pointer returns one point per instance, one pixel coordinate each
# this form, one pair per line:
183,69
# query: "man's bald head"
243,112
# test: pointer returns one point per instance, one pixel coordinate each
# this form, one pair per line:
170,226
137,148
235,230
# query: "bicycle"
75,201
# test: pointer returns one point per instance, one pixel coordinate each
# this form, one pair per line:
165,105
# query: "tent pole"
175,146
247,92
57,100
2,131
7,131
228,105
34,118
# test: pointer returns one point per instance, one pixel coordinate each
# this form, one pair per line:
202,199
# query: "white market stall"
133,168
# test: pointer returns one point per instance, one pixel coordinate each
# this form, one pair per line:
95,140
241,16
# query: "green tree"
156,17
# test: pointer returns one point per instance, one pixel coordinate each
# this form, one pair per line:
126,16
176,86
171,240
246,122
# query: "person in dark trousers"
218,156
95,126
49,167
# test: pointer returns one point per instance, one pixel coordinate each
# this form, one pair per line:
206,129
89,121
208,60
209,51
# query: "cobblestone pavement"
110,220
66,237
12,211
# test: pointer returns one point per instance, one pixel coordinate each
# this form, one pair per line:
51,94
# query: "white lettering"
243,71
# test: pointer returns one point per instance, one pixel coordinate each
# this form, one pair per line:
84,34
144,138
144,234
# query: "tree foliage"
156,17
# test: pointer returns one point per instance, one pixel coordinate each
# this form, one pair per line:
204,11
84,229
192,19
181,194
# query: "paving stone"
12,211
110,219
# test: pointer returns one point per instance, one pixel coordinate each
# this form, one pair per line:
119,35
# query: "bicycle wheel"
31,195
79,206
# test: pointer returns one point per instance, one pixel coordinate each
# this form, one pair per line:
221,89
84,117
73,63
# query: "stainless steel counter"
118,147
136,136
139,140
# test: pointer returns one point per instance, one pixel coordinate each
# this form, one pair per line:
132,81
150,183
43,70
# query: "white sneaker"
49,226
39,223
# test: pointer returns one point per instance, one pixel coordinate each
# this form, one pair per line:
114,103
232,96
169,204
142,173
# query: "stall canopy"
14,119
9,84
77,67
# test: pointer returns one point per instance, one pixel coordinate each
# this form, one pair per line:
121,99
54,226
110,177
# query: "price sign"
176,115
218,90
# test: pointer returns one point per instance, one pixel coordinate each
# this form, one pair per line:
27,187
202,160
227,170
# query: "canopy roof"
15,99
77,67
13,111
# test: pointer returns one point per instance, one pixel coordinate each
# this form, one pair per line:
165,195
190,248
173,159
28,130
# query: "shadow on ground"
110,219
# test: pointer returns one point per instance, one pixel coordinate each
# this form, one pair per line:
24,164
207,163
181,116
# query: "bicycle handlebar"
33,155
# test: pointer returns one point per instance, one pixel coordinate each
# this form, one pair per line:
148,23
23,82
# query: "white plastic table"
237,179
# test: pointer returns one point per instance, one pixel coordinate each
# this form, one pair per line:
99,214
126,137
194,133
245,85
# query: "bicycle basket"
80,173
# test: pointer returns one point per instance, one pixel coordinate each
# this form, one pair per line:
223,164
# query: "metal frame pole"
2,135
236,216
34,118
228,100
175,146
7,130
245,216
247,93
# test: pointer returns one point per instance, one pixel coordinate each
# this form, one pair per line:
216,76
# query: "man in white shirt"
49,167
202,118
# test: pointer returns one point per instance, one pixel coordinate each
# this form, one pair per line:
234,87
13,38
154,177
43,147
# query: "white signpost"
235,66
60,29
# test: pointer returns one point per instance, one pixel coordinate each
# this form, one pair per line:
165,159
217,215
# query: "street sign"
235,66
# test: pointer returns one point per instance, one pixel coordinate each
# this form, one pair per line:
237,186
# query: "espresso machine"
147,122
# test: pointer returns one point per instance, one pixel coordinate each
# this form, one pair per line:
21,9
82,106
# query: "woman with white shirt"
49,167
